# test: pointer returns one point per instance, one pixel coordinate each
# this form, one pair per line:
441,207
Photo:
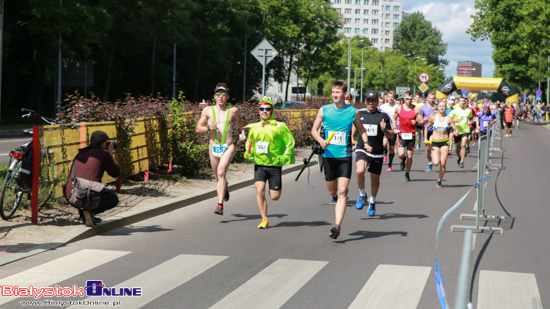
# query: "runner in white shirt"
389,108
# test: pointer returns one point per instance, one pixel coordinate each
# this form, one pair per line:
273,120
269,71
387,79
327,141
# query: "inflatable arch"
477,83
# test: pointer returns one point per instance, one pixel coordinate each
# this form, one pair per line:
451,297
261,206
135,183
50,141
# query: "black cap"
372,94
98,138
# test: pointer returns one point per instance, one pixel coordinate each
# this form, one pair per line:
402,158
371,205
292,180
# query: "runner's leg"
260,198
443,156
223,164
340,208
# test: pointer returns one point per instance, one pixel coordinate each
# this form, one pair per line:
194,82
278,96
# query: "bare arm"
394,120
453,125
315,129
201,126
240,123
430,123
419,119
362,131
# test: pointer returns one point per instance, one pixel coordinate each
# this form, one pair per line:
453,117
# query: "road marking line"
61,269
162,278
507,290
393,286
273,286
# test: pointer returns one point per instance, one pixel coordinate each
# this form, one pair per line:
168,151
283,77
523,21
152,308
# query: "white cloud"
453,19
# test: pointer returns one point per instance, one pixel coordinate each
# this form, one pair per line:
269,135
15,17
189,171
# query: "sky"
452,18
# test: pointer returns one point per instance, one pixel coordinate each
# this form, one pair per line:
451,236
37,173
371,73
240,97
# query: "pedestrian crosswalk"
389,286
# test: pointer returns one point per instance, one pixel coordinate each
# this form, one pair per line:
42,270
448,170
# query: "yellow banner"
477,83
513,99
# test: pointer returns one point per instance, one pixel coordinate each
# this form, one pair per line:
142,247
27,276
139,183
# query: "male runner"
217,121
509,118
418,102
484,120
378,125
271,145
389,108
409,116
462,117
472,124
476,110
426,110
337,120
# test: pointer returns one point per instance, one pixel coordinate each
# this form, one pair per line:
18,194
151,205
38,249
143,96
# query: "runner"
450,107
509,117
337,120
389,108
408,116
462,117
517,114
217,121
484,120
472,125
440,139
418,102
473,128
378,125
271,145
426,111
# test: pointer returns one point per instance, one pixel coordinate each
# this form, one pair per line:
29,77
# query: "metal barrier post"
483,157
464,274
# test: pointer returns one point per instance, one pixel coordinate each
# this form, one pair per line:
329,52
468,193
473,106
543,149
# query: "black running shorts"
408,144
271,173
336,168
375,164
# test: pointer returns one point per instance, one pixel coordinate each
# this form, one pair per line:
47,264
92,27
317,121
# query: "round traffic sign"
424,77
464,91
538,92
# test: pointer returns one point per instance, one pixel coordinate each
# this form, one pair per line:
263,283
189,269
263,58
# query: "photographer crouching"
84,189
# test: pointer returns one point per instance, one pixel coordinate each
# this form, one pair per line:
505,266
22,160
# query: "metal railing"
464,273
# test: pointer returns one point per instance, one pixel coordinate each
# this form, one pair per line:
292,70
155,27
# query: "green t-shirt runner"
462,116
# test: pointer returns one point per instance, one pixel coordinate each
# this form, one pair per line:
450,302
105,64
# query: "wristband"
208,128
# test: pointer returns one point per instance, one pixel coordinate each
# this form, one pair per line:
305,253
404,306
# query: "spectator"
91,163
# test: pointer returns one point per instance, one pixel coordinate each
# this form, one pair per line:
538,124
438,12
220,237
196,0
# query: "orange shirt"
509,113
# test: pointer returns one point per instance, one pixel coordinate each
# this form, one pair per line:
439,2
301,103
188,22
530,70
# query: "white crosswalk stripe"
163,278
393,286
507,290
273,286
58,270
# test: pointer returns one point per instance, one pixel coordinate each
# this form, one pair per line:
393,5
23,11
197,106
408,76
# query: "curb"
133,216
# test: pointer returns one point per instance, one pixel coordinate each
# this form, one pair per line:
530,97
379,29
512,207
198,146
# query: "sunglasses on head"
265,109
221,94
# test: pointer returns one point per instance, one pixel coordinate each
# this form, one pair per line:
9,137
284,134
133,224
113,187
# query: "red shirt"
90,163
405,117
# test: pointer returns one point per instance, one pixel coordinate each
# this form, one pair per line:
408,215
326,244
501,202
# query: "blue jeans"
109,200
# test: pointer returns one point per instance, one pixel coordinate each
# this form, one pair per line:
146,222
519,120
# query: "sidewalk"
21,239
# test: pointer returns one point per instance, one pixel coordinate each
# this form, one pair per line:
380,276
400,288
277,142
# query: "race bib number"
406,136
372,129
339,138
464,119
486,124
261,147
218,149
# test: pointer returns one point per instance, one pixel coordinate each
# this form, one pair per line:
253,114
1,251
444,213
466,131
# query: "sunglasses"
265,109
221,94
408,99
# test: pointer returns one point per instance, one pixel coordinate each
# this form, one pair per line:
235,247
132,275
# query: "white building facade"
376,20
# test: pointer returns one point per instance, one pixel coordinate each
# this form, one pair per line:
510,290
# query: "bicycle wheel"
11,194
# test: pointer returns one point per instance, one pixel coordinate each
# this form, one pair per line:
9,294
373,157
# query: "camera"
115,144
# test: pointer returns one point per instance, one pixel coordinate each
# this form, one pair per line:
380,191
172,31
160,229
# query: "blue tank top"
339,121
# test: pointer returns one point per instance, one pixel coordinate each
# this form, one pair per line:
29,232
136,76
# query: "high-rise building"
376,20
468,69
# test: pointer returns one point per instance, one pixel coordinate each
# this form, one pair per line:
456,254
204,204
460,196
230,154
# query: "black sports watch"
208,128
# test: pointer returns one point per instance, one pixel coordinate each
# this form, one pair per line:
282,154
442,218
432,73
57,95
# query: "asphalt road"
192,258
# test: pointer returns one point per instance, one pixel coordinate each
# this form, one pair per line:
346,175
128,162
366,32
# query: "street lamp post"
349,57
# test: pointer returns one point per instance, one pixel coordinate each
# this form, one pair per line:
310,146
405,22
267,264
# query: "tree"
519,32
416,37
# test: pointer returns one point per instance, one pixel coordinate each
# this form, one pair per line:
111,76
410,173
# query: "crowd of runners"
386,124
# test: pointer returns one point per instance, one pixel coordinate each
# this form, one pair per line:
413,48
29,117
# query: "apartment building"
376,20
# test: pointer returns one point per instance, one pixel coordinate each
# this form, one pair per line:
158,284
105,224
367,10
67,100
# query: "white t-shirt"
388,109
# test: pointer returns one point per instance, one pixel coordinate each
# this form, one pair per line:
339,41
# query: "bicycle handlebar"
45,119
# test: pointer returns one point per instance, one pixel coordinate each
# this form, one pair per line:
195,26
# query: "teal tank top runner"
339,121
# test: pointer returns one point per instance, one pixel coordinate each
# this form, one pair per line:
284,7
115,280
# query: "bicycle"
18,178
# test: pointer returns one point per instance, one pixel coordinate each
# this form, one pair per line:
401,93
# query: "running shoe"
475,143
385,158
418,146
360,202
372,209
219,209
517,128
334,232
429,169
458,161
450,152
461,164
438,184
467,150
402,164
389,169
226,198
334,199
264,224
407,178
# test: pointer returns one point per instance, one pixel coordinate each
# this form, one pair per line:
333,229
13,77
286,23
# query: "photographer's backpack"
24,177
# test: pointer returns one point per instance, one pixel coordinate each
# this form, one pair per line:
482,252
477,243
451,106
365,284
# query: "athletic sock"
391,158
372,199
362,192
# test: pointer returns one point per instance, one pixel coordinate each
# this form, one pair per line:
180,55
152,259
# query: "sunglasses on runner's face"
408,99
265,109
221,94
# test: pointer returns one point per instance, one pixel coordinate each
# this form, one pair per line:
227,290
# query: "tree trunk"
288,77
197,79
153,59
109,66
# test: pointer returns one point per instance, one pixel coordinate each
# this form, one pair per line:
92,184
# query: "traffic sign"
530,96
424,77
464,91
423,87
400,91
264,52
539,98
538,92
